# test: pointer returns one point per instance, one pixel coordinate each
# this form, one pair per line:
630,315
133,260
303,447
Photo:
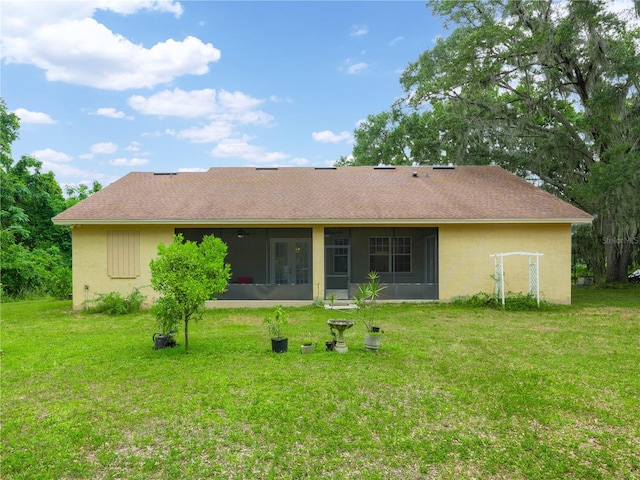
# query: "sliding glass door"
290,261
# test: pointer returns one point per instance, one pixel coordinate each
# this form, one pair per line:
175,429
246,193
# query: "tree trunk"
598,257
186,334
618,253
618,249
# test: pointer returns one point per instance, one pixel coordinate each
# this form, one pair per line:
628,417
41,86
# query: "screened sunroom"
277,263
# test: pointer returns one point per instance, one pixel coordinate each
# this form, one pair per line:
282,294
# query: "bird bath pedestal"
341,326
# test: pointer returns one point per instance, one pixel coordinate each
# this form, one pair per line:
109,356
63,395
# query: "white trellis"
534,273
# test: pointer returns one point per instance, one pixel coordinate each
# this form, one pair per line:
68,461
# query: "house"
307,233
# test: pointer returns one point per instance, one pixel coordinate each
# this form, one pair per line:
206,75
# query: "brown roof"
357,195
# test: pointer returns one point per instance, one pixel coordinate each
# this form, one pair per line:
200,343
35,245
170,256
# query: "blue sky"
106,87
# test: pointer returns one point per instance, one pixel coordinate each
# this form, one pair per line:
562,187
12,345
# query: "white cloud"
27,116
224,110
127,7
51,156
396,40
133,147
213,132
250,117
157,133
237,100
105,148
240,148
63,39
128,162
328,136
358,30
176,103
111,113
357,68
60,164
233,107
351,67
65,170
276,99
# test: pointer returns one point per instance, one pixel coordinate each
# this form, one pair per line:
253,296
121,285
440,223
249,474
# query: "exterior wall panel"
466,267
90,261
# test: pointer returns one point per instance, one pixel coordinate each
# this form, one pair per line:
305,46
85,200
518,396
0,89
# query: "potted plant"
332,343
275,324
366,302
307,346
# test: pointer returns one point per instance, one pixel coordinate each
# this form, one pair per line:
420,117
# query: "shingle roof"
359,195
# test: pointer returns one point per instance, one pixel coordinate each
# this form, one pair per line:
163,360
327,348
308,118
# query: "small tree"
186,274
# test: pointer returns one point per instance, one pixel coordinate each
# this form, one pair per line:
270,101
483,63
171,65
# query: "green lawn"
453,393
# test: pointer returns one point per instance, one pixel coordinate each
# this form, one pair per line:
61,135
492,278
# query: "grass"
454,392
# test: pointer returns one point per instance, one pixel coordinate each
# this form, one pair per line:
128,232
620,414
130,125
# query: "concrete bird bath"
341,325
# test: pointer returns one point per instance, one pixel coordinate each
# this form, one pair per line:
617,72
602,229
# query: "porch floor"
289,303
255,303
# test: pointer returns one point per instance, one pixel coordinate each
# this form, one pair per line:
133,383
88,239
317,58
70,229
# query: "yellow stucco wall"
90,261
466,266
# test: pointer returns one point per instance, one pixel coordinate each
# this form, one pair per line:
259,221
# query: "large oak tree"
548,90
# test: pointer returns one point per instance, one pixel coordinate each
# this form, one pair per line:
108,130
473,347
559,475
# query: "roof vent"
384,167
266,168
171,174
450,166
325,168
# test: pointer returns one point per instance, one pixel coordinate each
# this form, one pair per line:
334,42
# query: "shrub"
478,300
59,284
519,302
514,302
29,272
114,303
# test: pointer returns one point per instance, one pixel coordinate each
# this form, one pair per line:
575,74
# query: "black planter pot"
375,329
279,345
161,340
329,345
